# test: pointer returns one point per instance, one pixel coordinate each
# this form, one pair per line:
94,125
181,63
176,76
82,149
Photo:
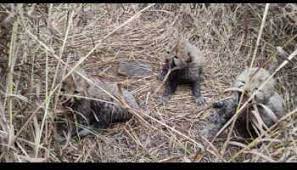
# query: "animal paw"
200,100
218,105
160,77
92,130
60,139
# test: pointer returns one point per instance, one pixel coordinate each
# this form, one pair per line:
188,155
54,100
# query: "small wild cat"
267,101
103,111
185,62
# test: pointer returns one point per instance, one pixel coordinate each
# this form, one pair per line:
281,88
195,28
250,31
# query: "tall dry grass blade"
256,141
290,57
8,101
47,97
69,24
78,63
251,65
260,33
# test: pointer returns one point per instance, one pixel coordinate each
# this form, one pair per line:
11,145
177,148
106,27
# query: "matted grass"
97,36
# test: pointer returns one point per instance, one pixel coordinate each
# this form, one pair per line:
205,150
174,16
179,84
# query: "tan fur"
267,103
76,84
183,52
185,62
250,80
102,107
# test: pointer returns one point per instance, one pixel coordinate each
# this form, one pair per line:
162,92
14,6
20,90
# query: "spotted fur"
249,81
186,61
100,113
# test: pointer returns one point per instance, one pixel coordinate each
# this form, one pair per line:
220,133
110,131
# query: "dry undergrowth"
97,36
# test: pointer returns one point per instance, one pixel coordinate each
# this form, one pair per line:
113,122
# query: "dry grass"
97,36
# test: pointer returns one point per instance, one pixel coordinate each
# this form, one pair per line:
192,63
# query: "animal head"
73,85
180,56
251,79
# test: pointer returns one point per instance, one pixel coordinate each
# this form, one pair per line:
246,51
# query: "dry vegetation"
43,38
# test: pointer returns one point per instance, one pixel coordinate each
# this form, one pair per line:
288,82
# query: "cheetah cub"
185,61
95,107
266,102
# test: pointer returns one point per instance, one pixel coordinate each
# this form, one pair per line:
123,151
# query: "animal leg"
170,88
196,91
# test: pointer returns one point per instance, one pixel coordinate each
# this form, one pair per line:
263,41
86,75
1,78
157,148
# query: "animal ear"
69,80
189,58
81,82
61,74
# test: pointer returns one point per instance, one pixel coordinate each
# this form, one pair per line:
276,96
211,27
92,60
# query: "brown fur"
100,113
186,61
249,81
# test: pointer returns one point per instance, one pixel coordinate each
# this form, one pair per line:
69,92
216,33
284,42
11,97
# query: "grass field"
42,39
